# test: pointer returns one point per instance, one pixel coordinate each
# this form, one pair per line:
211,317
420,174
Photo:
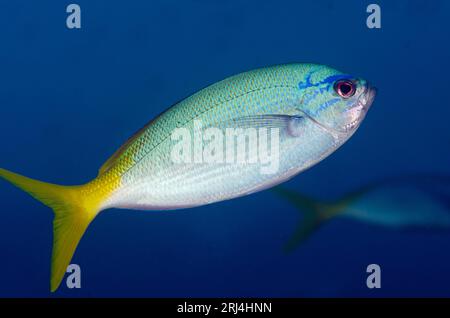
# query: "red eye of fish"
345,88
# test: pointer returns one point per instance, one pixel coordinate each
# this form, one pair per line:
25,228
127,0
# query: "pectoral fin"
288,125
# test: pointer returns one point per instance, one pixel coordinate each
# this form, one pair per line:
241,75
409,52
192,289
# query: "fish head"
336,101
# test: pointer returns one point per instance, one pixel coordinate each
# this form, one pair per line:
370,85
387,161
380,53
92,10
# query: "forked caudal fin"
315,213
74,210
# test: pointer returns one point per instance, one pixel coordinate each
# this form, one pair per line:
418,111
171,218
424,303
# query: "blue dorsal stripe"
330,79
333,78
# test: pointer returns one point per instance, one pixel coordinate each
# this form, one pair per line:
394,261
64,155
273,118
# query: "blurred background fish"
405,202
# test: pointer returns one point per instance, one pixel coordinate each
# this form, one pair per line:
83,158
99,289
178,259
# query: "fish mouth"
360,109
366,99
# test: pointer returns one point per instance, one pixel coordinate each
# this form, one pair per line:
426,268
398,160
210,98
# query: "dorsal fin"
116,155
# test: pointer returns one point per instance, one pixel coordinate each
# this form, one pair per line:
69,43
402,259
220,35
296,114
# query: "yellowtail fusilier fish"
420,202
314,107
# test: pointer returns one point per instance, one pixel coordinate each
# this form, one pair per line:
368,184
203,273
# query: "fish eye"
345,88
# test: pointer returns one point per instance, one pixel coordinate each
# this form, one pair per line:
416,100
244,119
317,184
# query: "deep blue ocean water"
70,98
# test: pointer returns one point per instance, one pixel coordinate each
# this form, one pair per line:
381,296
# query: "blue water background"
70,98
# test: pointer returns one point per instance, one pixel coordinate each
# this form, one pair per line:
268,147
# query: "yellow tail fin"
73,213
